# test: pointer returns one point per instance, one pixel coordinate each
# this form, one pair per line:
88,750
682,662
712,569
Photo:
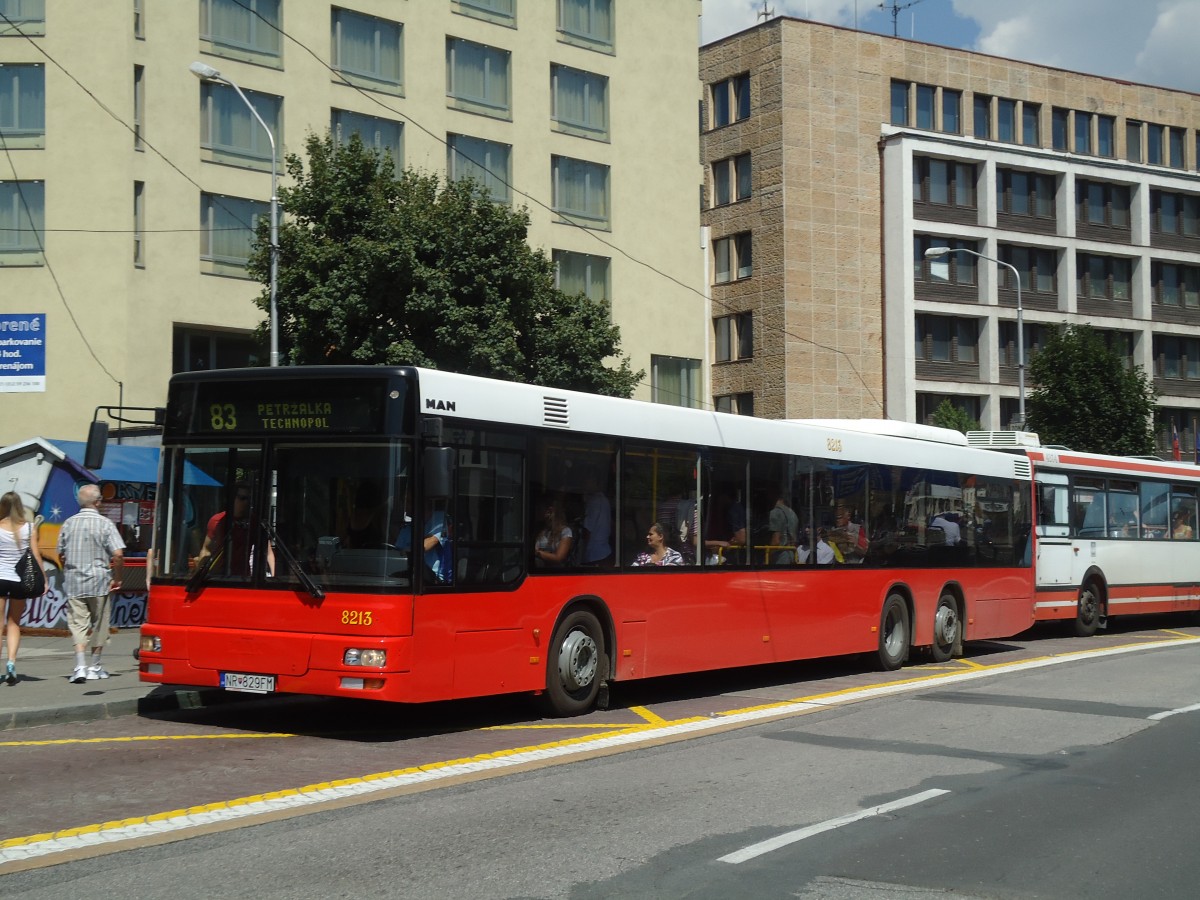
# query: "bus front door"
1055,553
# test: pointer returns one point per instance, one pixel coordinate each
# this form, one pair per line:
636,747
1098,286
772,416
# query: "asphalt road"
1047,781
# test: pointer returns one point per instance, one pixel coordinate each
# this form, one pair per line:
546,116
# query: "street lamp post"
938,253
207,72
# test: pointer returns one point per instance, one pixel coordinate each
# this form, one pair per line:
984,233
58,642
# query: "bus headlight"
151,643
355,656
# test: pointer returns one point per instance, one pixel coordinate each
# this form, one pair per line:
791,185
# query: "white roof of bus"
1101,464
463,396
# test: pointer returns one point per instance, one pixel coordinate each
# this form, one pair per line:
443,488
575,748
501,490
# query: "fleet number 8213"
356,617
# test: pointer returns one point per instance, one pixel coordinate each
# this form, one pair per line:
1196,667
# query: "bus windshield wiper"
198,577
305,579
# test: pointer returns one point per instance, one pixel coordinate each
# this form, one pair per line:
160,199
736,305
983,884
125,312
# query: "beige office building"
835,158
127,183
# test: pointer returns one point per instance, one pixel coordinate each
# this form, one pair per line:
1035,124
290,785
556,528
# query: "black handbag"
30,577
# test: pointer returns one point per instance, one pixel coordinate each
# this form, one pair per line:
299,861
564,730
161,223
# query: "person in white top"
16,533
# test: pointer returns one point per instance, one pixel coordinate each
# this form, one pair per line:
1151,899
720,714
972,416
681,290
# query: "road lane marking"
1174,712
791,837
145,737
175,824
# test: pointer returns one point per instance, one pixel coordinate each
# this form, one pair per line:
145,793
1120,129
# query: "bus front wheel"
1087,612
576,665
946,629
893,633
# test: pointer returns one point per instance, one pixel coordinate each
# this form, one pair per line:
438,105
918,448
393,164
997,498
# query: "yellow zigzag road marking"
149,737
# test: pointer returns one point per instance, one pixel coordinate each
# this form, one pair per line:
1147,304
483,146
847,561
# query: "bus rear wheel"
576,665
1087,611
947,629
893,633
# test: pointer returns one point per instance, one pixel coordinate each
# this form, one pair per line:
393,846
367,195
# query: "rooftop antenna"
894,8
765,13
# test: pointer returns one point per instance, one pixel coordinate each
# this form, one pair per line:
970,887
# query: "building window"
139,107
1102,204
945,339
139,223
1031,132
926,95
380,135
368,51
953,268
1083,132
1036,338
1006,120
503,12
731,179
943,182
582,273
1176,140
487,162
22,106
1037,267
1121,342
736,404
22,223
901,91
1176,357
1103,277
196,350
927,405
230,134
579,102
227,226
1059,119
734,337
733,258
675,381
1177,214
730,100
477,77
242,29
580,191
1175,285
951,111
139,19
983,116
25,17
1106,141
587,23
1020,193
1156,150
1133,141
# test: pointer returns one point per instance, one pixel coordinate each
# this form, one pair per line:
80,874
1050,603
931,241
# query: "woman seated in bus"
554,541
825,552
658,554
1181,529
848,536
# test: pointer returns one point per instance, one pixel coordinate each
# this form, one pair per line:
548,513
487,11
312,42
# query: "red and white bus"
291,500
1116,535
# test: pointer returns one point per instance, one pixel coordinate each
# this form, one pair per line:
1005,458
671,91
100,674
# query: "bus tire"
893,633
576,665
1087,610
947,629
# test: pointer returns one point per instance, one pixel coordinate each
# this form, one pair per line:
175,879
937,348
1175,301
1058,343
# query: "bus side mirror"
439,471
97,443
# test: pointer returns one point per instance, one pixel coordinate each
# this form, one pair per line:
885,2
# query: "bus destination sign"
331,407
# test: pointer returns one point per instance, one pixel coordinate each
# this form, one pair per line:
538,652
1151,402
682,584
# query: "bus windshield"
336,514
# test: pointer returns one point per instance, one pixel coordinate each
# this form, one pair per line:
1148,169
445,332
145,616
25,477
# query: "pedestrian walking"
16,535
92,555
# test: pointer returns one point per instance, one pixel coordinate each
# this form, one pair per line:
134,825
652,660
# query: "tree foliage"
375,269
947,415
1085,398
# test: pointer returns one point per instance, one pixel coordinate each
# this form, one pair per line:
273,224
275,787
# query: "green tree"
375,269
1085,398
947,415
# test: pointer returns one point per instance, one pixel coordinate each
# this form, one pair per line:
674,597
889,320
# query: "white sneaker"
79,676
95,672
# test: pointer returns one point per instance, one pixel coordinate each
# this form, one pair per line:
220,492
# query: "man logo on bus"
446,405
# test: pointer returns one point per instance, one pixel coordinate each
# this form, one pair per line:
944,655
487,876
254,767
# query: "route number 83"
222,417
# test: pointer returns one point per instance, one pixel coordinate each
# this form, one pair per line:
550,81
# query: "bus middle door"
1055,553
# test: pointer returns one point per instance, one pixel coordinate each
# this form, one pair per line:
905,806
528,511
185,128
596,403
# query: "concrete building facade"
127,184
857,152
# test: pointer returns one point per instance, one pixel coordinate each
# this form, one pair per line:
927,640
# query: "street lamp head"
203,70
936,252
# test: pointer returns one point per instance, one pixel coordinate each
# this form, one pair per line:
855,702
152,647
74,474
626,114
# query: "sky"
1144,41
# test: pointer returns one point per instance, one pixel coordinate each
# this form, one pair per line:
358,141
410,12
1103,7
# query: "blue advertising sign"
22,353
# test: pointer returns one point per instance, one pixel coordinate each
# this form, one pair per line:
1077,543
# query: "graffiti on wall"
49,611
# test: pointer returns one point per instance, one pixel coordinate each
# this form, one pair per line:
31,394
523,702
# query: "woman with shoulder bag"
16,536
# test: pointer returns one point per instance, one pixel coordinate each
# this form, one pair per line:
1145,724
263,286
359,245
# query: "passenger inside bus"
366,526
826,553
1181,527
657,552
435,544
555,540
848,536
725,528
